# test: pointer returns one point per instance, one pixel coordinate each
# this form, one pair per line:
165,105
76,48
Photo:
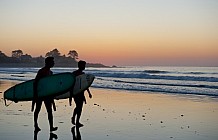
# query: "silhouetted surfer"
80,97
48,101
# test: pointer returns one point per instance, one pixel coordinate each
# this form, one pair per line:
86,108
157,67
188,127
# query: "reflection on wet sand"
76,133
51,136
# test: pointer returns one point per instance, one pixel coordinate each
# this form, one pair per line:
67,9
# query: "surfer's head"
81,65
49,61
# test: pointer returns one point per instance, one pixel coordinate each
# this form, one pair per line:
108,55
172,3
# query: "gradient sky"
114,32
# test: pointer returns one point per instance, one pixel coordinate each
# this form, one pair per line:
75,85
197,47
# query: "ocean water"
167,80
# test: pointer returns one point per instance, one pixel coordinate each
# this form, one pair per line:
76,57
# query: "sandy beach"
117,115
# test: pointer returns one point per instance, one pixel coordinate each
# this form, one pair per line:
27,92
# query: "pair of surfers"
79,99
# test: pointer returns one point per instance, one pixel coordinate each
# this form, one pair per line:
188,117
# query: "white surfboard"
83,82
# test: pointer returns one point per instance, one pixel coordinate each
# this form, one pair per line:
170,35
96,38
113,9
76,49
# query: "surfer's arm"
53,104
35,85
71,96
34,95
90,95
70,101
35,89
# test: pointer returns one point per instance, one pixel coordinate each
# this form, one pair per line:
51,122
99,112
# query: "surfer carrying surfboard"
48,101
79,99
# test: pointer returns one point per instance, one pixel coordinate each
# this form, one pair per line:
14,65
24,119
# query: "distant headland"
18,59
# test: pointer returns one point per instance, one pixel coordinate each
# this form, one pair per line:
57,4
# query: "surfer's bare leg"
79,112
48,105
36,114
74,116
78,124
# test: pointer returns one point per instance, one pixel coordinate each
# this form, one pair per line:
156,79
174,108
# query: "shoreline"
114,114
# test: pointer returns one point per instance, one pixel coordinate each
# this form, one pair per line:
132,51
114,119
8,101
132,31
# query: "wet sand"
117,115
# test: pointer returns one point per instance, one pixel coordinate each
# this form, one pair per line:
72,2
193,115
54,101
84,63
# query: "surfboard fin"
7,104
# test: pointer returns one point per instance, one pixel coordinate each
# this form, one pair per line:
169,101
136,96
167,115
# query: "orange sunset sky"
114,32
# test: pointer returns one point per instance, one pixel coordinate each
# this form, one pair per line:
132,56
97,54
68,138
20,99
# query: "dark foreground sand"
117,115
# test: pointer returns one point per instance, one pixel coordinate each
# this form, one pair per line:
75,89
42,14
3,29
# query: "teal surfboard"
52,85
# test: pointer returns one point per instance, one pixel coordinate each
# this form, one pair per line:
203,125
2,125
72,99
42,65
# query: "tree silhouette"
73,54
17,53
18,59
2,55
55,53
